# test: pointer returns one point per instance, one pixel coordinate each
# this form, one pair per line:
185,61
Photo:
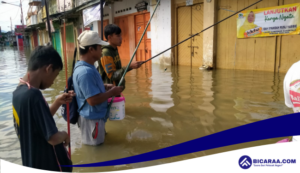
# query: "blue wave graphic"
287,125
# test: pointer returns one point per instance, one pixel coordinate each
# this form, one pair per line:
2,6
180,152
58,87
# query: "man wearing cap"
91,93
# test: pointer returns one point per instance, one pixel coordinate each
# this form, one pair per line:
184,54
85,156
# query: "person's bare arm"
102,97
62,99
136,64
58,138
108,86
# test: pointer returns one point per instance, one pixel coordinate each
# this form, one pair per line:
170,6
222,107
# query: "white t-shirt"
291,88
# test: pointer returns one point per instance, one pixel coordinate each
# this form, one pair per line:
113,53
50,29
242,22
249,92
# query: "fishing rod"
112,100
66,73
200,32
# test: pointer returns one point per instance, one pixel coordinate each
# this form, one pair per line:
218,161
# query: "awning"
32,27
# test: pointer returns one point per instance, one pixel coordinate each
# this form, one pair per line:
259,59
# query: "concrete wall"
161,32
106,10
209,35
95,26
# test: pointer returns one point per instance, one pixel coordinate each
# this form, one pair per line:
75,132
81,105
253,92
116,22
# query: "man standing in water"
42,145
111,67
291,88
92,94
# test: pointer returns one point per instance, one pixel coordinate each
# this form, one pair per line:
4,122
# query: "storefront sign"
272,21
141,6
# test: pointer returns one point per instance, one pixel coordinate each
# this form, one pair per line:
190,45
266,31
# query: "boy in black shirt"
42,145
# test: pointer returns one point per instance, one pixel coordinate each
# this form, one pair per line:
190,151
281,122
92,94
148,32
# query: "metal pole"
101,34
66,73
22,15
11,35
48,22
23,28
101,18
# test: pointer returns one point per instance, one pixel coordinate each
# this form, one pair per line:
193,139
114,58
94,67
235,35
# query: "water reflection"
163,108
13,65
161,87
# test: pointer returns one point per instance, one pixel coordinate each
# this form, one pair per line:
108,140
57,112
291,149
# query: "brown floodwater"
164,106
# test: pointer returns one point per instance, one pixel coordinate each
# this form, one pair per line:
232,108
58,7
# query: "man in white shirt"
291,88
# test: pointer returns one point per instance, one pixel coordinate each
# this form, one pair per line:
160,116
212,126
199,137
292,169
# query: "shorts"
92,131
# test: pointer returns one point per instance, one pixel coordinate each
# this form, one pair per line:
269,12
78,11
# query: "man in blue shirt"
92,94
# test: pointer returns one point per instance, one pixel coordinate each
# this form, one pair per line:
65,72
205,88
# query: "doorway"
190,21
144,50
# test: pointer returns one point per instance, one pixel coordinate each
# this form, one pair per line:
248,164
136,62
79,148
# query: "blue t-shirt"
88,83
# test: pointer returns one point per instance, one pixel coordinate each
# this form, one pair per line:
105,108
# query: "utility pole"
101,18
22,19
101,34
11,25
48,22
11,35
23,26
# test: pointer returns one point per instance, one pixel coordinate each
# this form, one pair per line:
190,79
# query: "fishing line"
66,73
201,32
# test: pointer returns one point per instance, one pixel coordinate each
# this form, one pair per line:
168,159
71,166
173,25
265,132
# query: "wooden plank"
197,26
226,37
278,47
290,2
289,52
232,30
278,53
122,22
221,37
148,48
139,29
131,33
173,33
184,30
241,46
270,43
139,19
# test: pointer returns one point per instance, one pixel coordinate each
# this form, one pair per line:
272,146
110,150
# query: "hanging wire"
16,14
201,31
7,10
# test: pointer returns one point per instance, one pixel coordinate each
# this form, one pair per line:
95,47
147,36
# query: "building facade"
173,22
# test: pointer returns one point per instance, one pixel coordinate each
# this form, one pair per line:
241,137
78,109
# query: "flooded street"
163,108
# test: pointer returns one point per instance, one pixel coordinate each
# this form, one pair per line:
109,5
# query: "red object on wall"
35,39
20,39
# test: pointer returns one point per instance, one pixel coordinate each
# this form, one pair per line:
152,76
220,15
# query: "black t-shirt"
35,125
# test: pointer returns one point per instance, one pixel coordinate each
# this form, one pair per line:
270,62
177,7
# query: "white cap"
88,38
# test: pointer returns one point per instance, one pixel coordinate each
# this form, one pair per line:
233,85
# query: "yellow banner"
272,21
